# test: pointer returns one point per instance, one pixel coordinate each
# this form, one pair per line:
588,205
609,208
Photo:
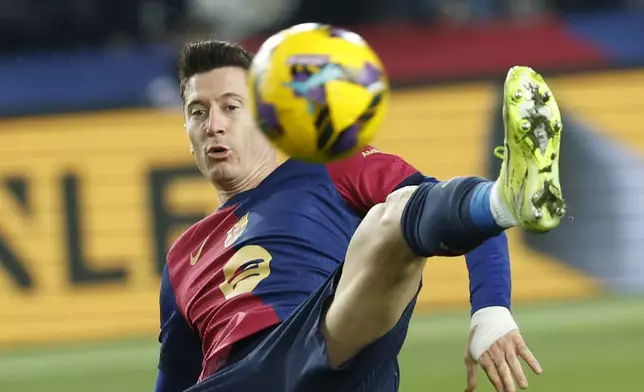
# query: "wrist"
491,323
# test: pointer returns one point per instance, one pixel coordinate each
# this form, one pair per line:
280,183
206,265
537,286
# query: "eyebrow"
228,95
233,95
195,102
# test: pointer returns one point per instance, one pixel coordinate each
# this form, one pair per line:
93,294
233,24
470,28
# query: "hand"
501,363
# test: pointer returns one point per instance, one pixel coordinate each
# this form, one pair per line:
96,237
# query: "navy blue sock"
449,218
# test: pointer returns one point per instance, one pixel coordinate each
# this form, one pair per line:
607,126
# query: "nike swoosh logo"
195,258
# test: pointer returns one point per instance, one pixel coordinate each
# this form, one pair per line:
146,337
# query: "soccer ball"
319,93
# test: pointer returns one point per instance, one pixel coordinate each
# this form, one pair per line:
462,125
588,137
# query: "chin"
221,173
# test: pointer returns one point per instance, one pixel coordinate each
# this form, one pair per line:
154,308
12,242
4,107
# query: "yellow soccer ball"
319,93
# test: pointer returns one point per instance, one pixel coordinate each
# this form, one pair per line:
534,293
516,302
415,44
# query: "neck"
251,181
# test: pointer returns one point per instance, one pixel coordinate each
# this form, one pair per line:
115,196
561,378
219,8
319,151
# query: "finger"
525,353
490,370
471,366
472,375
498,356
515,367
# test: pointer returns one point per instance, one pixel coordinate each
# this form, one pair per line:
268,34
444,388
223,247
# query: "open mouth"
218,152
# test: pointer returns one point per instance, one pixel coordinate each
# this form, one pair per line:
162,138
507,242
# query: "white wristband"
491,324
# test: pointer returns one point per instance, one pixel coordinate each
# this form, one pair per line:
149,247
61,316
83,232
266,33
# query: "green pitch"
591,347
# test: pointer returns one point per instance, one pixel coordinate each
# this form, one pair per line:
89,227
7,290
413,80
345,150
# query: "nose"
216,123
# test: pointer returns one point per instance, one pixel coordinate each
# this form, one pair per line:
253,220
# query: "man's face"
223,136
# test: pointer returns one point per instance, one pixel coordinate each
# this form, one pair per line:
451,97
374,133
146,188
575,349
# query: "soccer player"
305,277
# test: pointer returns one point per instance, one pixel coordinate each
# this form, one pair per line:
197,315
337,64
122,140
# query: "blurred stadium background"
96,178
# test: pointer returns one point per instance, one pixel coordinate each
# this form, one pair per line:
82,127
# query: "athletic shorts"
292,357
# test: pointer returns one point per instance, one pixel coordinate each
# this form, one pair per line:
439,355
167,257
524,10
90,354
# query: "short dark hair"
203,56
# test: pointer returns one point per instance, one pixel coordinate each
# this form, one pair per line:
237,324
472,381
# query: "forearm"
490,277
490,293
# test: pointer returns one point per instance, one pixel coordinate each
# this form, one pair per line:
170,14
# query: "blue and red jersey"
251,263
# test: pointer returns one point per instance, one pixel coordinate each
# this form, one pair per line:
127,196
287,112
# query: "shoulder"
370,163
368,177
